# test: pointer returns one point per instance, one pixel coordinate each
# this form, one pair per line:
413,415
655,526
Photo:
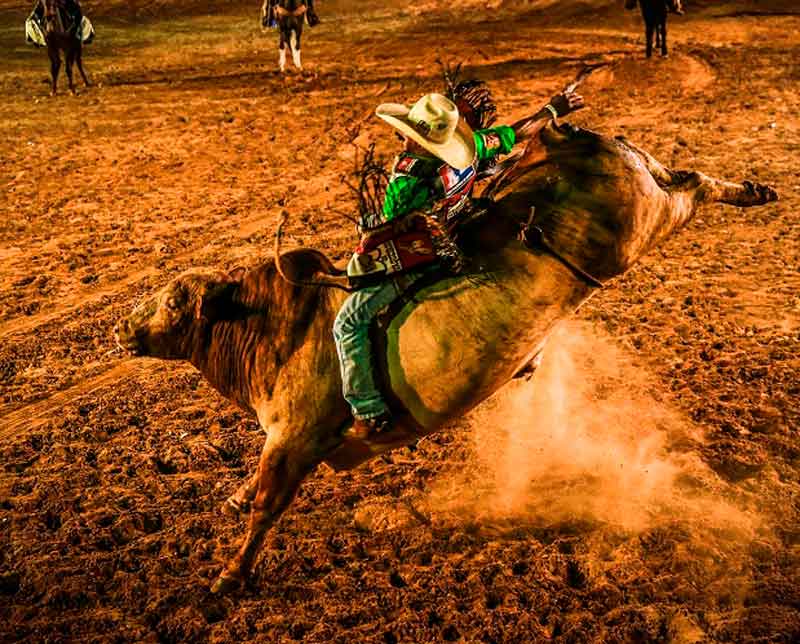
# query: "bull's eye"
172,304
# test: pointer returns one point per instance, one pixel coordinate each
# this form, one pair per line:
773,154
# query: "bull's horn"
587,71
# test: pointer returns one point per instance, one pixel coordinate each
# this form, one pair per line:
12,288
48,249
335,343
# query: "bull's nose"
123,326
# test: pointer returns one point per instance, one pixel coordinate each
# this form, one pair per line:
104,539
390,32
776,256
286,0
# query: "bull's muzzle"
128,339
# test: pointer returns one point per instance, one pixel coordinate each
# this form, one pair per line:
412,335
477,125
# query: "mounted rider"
428,196
72,8
268,18
673,6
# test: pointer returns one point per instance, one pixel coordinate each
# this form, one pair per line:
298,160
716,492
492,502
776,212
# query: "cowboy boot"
371,428
675,6
311,15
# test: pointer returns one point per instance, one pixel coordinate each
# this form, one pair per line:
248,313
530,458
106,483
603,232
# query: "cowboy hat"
433,122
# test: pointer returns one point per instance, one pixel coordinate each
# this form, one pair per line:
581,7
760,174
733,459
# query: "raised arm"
560,105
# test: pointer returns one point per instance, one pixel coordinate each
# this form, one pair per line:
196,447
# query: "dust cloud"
590,438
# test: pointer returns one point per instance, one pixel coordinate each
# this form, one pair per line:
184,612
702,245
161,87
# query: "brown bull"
267,344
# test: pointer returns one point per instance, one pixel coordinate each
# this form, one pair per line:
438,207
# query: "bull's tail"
338,278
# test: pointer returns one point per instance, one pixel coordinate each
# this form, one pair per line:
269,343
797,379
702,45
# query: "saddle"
35,30
272,12
280,12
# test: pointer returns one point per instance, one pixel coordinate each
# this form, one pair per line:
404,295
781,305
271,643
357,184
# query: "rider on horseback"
268,18
430,188
73,10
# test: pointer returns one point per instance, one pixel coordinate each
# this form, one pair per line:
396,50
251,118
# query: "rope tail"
294,282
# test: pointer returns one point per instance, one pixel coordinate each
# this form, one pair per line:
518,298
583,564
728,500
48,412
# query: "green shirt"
418,183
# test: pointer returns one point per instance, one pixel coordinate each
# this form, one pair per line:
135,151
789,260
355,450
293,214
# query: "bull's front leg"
289,455
239,502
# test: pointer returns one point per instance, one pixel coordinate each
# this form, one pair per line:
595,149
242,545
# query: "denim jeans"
351,333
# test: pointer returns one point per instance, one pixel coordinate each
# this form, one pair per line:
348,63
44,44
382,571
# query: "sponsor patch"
454,180
404,164
491,141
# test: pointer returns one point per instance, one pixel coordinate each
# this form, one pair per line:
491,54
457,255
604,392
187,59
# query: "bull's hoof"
234,507
762,192
226,583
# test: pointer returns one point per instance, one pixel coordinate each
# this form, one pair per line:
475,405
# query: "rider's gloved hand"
567,102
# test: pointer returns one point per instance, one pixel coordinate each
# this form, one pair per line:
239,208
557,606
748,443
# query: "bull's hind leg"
710,190
663,176
705,188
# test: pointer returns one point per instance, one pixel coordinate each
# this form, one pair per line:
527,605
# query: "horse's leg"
663,28
282,48
296,46
288,456
55,65
648,32
69,60
79,61
239,501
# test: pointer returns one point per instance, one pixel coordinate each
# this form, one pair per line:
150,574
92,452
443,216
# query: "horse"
655,14
289,16
63,32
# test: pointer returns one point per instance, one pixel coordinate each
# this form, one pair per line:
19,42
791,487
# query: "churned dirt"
644,486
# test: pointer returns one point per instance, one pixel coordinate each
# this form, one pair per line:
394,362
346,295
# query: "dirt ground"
683,374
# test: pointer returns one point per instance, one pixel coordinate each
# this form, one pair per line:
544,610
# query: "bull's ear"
237,274
214,299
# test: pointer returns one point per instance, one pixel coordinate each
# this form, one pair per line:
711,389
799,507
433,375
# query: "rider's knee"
342,325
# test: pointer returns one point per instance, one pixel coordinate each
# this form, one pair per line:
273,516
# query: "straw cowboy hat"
433,122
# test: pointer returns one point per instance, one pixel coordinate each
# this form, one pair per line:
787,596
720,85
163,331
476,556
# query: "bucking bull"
590,208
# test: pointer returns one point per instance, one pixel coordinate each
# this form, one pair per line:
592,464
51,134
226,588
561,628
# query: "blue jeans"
351,333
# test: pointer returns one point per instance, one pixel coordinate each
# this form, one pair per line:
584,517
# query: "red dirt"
683,373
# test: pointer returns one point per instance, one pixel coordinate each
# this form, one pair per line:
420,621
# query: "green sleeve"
493,141
404,194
